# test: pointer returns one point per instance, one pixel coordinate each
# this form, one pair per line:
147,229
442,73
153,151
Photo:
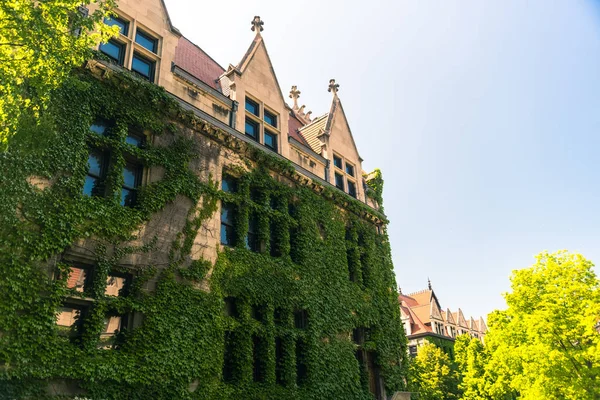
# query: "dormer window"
337,162
344,175
261,124
146,41
349,169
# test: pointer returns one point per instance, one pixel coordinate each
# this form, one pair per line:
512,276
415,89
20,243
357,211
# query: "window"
94,180
228,357
229,184
412,350
135,140
301,362
339,181
258,313
300,319
131,180
349,169
252,129
258,119
143,66
352,189
259,356
271,140
99,127
252,242
122,24
114,50
227,228
270,119
71,315
337,162
230,307
252,107
279,316
146,41
279,361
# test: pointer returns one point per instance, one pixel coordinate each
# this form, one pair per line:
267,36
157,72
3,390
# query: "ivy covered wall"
306,315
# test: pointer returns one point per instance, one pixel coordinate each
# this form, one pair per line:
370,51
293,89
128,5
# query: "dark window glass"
279,362
95,175
228,357
271,140
339,181
231,307
146,41
135,140
412,350
252,107
358,336
70,318
350,169
229,184
301,362
116,285
275,242
300,319
143,67
279,316
351,189
252,129
271,119
258,313
131,180
114,50
259,359
252,236
227,230
123,25
112,326
337,161
79,278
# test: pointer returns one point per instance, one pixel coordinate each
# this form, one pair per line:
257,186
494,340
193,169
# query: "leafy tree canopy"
40,41
470,358
545,345
432,375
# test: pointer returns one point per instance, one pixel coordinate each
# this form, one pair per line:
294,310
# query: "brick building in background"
425,319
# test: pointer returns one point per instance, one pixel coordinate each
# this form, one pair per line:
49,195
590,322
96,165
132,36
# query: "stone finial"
257,24
301,110
429,283
307,116
333,87
295,94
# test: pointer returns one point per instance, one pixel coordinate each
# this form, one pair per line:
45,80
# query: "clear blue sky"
483,115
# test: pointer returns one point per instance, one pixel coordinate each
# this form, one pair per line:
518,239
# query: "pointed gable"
462,322
435,310
450,318
482,325
340,134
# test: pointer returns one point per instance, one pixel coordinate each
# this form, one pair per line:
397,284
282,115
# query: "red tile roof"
293,125
196,62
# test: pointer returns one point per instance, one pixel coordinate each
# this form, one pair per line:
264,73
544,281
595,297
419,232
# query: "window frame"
123,50
147,37
259,120
126,24
152,64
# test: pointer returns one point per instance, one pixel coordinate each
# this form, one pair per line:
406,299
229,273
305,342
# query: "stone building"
424,319
198,236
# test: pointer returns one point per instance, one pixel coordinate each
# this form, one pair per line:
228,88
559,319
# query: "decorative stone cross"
295,94
257,24
333,87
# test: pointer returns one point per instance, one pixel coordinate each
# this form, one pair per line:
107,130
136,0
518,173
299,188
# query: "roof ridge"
313,121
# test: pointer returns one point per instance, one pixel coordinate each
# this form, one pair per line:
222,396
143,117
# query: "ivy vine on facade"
165,242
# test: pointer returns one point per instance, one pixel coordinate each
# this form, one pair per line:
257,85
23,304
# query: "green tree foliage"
470,358
432,375
40,41
544,346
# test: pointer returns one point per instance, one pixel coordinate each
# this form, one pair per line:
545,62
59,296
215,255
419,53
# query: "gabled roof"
312,131
247,59
196,62
336,105
449,318
294,125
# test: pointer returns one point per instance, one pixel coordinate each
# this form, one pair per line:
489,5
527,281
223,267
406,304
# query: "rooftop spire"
429,283
257,24
333,87
295,94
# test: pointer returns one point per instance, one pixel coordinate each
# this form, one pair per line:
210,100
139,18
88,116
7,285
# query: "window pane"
130,176
228,184
68,316
337,162
77,278
339,181
252,106
114,50
145,41
252,129
349,169
227,214
95,164
123,25
270,119
227,234
352,189
112,325
98,127
134,140
271,140
90,186
143,67
252,241
114,284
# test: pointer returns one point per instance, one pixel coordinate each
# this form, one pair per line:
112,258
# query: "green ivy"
318,255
